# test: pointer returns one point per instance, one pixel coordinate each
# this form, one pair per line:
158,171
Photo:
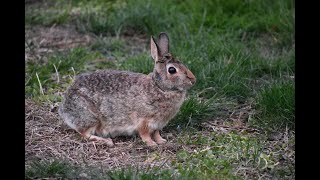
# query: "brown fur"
108,103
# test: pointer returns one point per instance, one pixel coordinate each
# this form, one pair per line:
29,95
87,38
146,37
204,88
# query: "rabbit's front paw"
161,141
146,137
158,138
90,137
151,143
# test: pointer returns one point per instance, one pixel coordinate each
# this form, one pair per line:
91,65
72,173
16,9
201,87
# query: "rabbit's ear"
154,49
163,43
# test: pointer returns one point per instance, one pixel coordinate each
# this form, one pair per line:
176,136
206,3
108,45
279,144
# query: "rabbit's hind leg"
89,134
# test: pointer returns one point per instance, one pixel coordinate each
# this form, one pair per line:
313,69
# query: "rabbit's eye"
172,70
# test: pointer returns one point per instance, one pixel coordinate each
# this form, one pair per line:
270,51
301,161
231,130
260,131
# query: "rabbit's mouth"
188,85
191,77
190,82
193,81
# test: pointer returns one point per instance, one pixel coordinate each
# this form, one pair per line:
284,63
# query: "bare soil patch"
41,41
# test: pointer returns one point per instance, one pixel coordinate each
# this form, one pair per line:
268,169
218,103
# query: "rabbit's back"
107,81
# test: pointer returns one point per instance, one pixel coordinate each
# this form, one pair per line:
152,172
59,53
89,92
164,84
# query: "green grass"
57,72
227,154
47,13
108,47
44,169
216,155
241,52
140,63
277,106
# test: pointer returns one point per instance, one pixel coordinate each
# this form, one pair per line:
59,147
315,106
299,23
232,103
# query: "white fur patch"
157,125
68,121
120,130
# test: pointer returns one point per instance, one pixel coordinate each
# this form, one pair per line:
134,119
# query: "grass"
192,113
66,66
242,53
141,64
231,155
55,168
277,105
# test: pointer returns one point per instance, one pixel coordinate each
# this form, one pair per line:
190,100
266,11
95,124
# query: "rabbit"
104,104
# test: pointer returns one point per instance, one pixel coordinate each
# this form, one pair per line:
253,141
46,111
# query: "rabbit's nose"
191,77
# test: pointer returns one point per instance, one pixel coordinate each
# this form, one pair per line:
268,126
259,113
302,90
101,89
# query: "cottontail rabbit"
107,103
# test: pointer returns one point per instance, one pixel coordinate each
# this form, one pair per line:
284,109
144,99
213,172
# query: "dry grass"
41,41
47,137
